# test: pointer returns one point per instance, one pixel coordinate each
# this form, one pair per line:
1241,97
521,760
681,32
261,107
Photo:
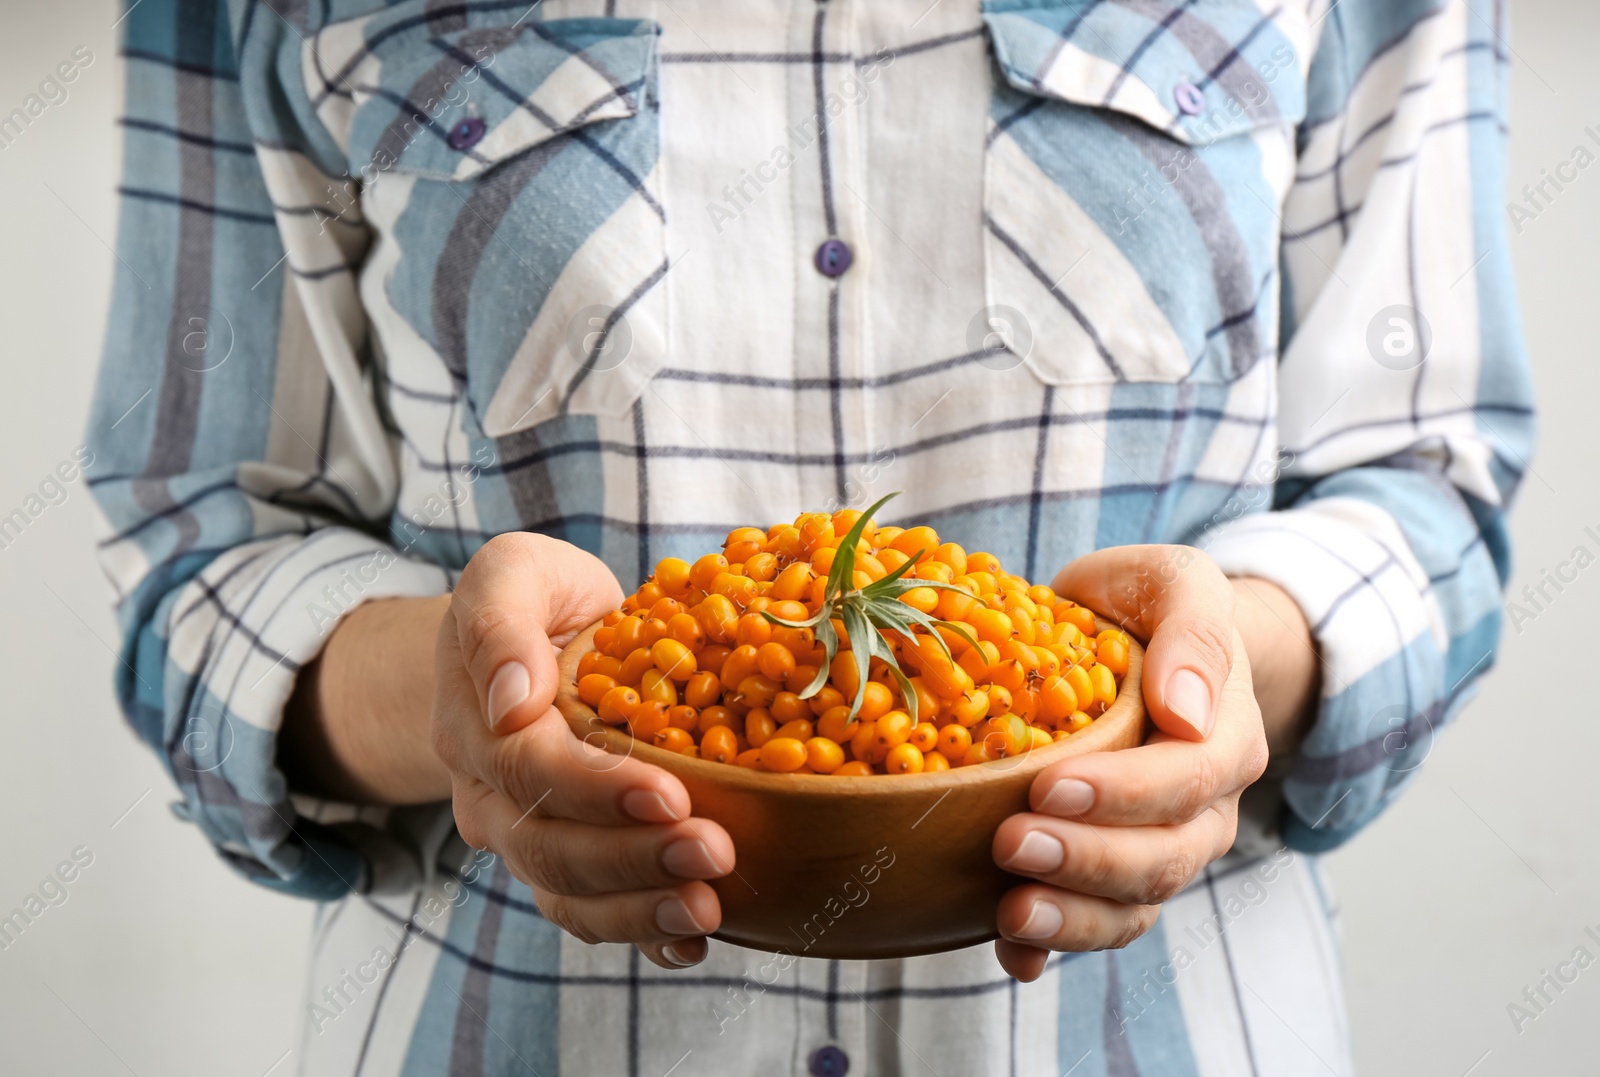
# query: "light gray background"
161,962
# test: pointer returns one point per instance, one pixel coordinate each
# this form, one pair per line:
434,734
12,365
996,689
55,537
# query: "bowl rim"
1108,728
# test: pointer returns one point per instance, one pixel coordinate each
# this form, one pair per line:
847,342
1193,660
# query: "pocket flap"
1198,72
452,105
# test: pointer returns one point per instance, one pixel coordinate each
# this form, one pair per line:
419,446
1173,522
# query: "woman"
436,320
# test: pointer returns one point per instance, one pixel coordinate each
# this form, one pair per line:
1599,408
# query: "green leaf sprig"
868,614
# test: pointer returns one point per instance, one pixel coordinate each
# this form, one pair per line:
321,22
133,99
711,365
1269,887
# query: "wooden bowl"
870,867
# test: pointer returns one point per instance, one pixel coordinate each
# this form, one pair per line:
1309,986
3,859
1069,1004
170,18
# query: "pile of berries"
754,656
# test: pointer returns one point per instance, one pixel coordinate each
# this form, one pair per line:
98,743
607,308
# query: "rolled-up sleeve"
1406,404
242,463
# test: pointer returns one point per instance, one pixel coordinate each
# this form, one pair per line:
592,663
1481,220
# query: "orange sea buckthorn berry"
604,638
672,576
999,700
634,665
824,755
774,660
762,567
845,519
800,729
653,631
853,769
1082,617
753,629
789,707
933,762
751,758
924,735
759,727
826,699
589,663
674,659
792,583
1076,721
1009,674
1105,685
1049,662
648,719
783,754
1113,655
657,686
757,691
1021,653
739,664
711,657
953,742
876,700
673,739
891,729
953,605
862,742
1082,686
998,736
991,625
705,571
979,561
666,610
971,708
1042,595
903,759
952,554
917,540
719,744
1040,737
925,599
648,594
716,715
928,703
1057,699
836,724
687,630
801,678
684,717
592,689
702,689
626,639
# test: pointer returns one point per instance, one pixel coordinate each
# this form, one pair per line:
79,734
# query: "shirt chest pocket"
511,174
1138,153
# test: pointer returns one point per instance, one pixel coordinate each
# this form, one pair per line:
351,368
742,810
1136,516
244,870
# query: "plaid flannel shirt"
1071,273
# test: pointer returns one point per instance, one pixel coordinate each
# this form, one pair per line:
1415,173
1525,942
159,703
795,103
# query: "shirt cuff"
238,635
1381,640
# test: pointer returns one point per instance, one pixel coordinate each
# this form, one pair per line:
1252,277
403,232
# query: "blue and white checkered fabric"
400,278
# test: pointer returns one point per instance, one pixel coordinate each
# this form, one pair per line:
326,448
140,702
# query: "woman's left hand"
1112,835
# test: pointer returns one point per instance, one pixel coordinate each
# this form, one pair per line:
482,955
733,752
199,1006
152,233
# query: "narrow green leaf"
906,690
830,644
861,634
808,623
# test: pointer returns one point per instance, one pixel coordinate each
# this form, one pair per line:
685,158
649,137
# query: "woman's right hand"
606,842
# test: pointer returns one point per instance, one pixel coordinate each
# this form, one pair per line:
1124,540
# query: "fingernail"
671,953
509,687
674,917
689,858
1038,853
1069,798
647,806
1188,697
1044,922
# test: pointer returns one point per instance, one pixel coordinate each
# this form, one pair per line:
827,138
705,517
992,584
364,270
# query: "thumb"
518,599
1177,599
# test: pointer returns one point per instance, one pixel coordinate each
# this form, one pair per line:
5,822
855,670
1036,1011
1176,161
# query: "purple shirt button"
833,258
1191,102
467,134
829,1061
